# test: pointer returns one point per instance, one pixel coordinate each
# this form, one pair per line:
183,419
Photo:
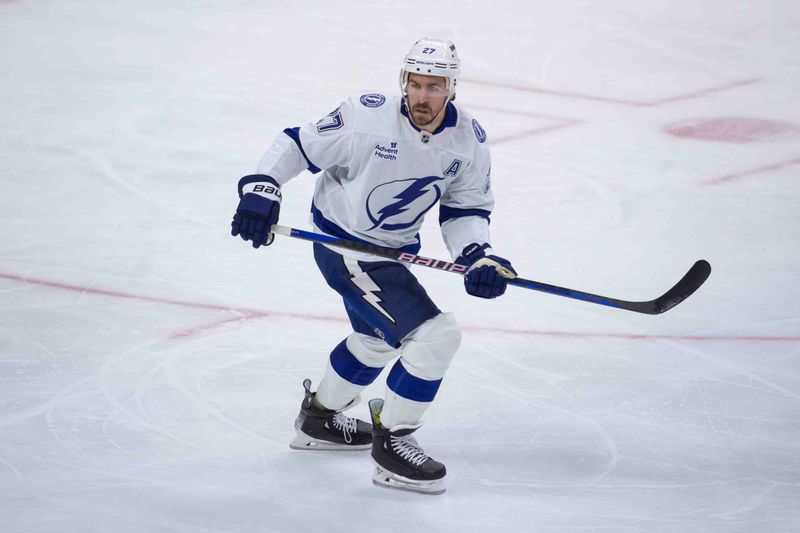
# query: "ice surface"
151,365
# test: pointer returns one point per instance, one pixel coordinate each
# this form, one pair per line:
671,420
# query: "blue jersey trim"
332,229
450,118
411,387
348,367
448,213
294,134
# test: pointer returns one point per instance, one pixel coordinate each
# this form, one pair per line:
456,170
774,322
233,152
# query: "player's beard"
427,118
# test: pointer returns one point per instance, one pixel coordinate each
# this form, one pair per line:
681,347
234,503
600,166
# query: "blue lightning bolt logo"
417,189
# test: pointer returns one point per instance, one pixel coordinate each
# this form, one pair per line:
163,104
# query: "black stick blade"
689,283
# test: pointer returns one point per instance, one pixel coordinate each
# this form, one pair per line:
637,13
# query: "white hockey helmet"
432,57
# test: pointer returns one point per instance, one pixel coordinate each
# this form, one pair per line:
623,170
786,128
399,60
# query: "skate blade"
384,478
304,442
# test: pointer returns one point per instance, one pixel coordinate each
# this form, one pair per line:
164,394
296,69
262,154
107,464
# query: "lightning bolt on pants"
392,316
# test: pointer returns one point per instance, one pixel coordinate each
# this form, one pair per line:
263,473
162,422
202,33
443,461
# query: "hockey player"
382,163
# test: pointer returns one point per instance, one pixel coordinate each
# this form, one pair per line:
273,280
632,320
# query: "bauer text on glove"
259,207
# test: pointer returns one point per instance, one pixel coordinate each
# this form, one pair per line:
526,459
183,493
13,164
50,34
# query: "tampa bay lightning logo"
372,100
398,205
479,133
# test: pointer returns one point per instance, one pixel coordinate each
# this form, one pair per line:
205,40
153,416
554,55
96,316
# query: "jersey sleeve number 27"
331,121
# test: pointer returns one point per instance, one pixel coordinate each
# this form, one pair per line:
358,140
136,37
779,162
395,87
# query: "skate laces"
408,448
346,425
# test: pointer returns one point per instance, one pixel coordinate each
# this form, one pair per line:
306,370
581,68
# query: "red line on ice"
635,336
559,123
250,314
518,112
620,101
205,328
244,312
118,294
529,133
730,177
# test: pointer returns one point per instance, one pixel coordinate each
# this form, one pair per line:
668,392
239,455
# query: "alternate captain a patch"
453,169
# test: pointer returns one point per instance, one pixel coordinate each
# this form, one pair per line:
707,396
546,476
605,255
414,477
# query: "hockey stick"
689,283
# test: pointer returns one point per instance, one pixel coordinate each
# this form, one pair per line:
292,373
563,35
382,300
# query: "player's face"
427,95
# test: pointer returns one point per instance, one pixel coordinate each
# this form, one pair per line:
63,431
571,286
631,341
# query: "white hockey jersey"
380,174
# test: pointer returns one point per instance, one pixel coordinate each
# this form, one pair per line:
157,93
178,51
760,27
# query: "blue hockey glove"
488,275
259,207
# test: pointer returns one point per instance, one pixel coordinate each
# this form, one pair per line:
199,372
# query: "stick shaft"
687,285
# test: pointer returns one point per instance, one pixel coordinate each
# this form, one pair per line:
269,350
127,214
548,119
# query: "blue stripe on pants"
348,367
410,386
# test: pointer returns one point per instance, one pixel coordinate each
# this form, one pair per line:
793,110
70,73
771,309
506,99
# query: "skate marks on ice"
643,437
166,405
520,425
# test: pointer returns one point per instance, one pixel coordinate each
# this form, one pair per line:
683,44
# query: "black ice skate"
400,463
325,429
